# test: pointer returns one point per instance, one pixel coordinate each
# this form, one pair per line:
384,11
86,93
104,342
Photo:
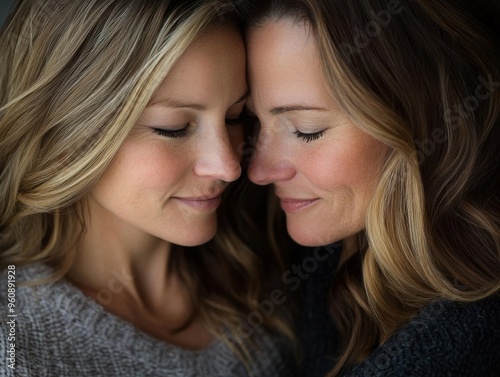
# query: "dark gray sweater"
61,332
444,339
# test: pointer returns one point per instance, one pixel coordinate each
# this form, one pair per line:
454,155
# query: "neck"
350,247
126,271
107,263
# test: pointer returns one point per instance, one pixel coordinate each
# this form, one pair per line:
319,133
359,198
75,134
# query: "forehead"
284,65
214,63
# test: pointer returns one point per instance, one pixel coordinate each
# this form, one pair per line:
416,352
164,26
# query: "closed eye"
173,134
309,137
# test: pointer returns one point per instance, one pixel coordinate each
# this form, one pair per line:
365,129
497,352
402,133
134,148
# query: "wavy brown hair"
75,77
421,76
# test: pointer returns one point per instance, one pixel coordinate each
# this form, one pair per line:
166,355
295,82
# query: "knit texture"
444,339
62,332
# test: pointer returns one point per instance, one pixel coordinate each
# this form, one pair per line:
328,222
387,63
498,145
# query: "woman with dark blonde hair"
119,137
380,129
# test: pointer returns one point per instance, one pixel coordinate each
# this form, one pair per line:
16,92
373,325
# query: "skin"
155,192
324,180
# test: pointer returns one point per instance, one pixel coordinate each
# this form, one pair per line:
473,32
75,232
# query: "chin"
196,238
310,237
304,238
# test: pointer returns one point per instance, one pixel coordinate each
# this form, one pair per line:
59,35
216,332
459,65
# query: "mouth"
202,203
291,205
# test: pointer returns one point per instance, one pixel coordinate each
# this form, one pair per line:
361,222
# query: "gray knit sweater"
61,332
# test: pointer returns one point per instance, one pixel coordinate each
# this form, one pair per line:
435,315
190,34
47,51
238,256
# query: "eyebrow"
285,109
176,103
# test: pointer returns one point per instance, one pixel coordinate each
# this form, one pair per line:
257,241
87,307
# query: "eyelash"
173,134
177,134
309,137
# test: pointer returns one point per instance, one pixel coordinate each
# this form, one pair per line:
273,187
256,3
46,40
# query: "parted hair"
423,77
75,77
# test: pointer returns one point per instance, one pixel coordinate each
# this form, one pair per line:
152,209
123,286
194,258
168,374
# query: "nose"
218,159
270,161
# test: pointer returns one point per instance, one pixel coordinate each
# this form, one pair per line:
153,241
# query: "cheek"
162,166
329,168
354,168
144,166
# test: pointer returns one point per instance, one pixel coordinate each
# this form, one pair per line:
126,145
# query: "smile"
202,204
294,205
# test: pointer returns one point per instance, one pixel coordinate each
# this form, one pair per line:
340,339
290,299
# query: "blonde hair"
75,77
409,76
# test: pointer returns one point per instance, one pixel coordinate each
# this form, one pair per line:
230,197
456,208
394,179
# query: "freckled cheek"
330,170
156,166
355,166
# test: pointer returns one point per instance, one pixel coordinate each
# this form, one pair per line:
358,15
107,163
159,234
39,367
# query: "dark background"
5,6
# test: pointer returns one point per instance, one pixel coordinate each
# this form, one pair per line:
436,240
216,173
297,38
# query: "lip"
202,202
291,205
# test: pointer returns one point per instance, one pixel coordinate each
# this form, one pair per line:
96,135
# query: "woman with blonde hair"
380,129
119,136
